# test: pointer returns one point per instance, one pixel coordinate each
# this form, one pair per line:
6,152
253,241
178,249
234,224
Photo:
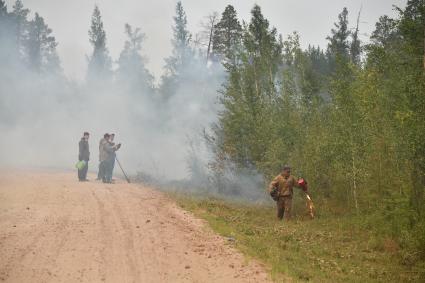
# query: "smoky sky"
70,21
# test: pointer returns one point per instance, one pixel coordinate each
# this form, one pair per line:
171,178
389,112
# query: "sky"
70,21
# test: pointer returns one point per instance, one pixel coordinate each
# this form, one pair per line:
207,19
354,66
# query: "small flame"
310,206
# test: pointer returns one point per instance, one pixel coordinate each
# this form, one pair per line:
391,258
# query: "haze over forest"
70,20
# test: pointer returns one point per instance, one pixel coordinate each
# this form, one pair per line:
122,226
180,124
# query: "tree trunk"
354,176
209,42
255,78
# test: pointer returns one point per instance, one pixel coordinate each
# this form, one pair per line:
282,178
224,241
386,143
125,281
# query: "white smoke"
45,117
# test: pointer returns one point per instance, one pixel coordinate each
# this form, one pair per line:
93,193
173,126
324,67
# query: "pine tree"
318,60
99,62
180,42
41,46
182,53
264,51
339,46
131,64
4,20
227,35
355,48
412,25
249,94
19,17
5,35
385,31
3,9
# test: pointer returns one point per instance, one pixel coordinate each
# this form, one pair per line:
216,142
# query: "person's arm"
273,184
115,147
88,150
80,150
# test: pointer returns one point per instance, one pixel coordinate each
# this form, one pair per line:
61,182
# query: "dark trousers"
102,170
284,206
100,174
82,174
109,168
112,167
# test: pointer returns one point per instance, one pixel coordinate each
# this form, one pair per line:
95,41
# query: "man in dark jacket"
84,155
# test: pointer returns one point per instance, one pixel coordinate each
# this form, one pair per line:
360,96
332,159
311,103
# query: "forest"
349,117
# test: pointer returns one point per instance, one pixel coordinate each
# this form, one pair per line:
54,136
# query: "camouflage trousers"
284,205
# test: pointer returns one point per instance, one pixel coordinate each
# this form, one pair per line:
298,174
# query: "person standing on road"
112,165
110,149
281,189
102,157
84,155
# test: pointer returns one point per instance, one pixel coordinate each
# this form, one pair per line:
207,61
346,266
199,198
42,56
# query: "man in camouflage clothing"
281,189
102,157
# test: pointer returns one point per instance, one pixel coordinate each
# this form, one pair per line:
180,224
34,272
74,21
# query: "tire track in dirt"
93,232
121,218
101,213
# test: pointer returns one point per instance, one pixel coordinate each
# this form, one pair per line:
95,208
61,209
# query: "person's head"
111,137
286,171
86,135
106,136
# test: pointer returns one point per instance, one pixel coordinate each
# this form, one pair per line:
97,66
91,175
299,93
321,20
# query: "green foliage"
182,36
27,43
339,45
327,249
182,51
132,65
227,36
355,130
100,63
19,16
250,93
41,46
182,54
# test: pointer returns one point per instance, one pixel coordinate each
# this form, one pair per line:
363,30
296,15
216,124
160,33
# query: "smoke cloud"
44,117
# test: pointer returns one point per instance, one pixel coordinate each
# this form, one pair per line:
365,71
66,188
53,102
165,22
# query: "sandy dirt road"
55,229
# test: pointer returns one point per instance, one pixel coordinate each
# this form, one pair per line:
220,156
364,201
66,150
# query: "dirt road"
55,229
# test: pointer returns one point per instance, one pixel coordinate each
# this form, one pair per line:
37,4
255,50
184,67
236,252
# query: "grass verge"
326,249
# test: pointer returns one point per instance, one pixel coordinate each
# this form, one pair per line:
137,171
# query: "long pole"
125,175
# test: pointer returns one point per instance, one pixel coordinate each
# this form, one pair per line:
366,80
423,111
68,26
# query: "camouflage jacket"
284,185
103,155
